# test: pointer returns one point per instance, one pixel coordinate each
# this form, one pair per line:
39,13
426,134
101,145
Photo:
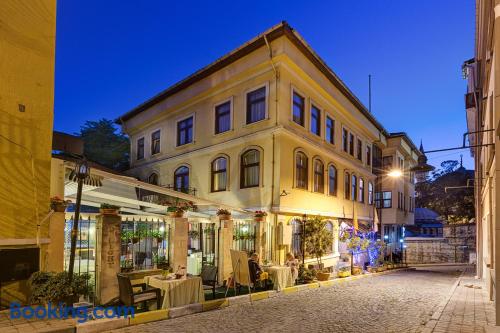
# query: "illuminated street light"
396,173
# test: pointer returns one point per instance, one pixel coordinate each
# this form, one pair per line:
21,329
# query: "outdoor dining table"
280,275
177,292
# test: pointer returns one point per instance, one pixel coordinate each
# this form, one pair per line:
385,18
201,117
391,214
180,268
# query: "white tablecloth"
280,275
178,292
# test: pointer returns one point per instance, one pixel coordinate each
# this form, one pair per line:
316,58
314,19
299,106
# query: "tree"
446,192
104,145
318,240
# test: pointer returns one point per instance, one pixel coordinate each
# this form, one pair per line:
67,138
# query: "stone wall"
456,245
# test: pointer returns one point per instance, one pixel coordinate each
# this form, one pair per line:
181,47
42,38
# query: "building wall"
27,44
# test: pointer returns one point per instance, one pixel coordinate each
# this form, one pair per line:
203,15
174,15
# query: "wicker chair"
209,278
129,298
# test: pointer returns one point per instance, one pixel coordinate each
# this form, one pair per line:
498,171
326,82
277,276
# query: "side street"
161,174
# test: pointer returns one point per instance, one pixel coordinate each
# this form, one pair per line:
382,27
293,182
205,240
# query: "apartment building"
27,57
271,127
482,107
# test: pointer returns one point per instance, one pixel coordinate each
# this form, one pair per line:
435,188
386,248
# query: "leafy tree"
446,192
318,240
104,144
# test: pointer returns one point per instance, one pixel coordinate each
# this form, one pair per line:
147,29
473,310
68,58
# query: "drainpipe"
276,101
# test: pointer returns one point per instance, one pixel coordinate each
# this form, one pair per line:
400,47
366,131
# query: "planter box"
224,217
176,214
356,270
344,274
58,207
108,211
322,276
259,219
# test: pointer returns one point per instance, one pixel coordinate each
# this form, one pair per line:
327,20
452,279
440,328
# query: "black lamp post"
80,173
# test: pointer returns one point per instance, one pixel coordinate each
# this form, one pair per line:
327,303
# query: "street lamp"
80,173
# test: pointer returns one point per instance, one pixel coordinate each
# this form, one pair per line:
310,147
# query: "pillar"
225,244
178,243
107,257
55,249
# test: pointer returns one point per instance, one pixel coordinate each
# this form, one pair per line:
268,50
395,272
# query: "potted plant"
178,208
318,240
126,265
344,271
259,216
108,209
127,236
57,288
156,234
59,205
306,275
194,234
357,270
160,261
223,214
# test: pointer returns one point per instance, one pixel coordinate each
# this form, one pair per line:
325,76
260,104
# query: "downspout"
276,101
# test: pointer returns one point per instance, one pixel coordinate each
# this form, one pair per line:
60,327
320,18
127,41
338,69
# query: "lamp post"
80,173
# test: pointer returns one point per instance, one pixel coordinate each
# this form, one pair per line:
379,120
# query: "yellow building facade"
27,44
267,127
482,109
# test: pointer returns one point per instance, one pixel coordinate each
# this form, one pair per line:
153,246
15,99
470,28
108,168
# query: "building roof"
426,215
281,29
407,139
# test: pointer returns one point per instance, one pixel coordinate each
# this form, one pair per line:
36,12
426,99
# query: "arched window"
153,179
347,184
370,193
361,195
250,169
354,193
219,174
319,177
332,180
181,179
296,238
301,170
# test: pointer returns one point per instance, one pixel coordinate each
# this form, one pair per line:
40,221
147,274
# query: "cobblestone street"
397,302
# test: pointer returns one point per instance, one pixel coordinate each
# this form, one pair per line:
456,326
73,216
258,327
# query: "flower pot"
371,269
176,214
135,240
159,239
343,274
259,218
58,207
356,270
380,269
108,211
323,276
390,266
224,217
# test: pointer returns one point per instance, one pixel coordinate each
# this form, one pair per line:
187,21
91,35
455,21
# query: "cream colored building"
268,127
27,54
483,107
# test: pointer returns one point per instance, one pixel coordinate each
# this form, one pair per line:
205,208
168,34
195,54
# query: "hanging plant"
259,215
59,205
223,214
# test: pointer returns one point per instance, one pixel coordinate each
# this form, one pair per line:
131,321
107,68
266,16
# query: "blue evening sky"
112,55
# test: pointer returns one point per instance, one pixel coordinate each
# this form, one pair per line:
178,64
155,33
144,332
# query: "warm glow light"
396,173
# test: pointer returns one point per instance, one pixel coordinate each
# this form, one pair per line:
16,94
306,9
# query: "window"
223,117
383,199
296,238
185,131
370,193
250,169
140,149
345,143
360,150
351,144
387,162
315,120
332,180
361,190
298,109
319,177
330,130
401,164
153,179
219,174
354,184
256,105
400,200
155,142
301,170
347,186
368,155
181,179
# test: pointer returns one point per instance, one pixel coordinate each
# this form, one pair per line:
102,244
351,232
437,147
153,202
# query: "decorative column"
178,242
55,249
107,257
